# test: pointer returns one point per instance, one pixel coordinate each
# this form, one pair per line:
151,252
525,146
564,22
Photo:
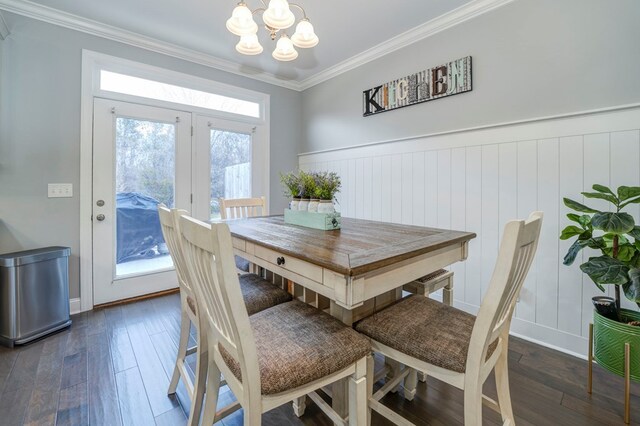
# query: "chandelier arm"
258,10
264,4
304,14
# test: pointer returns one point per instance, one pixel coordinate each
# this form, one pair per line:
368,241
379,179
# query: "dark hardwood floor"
113,368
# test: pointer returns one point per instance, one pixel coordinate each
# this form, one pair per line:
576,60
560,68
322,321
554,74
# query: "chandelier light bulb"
304,36
241,22
284,50
278,15
249,45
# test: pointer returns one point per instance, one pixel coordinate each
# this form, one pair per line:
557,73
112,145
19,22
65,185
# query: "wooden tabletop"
359,247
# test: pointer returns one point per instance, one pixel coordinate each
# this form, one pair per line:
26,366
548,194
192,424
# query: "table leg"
340,389
393,369
344,315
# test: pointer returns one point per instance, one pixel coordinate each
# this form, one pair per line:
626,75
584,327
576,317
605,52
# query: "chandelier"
277,17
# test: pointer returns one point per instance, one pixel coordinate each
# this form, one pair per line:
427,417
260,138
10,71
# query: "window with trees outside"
230,167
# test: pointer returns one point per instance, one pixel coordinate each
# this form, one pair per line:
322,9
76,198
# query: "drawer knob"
280,261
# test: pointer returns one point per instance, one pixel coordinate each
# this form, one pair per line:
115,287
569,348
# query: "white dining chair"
426,286
240,208
258,294
274,356
452,345
188,313
429,284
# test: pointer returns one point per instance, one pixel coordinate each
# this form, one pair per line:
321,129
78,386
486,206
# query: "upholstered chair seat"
424,329
276,356
432,275
242,264
417,334
297,344
259,294
192,305
428,284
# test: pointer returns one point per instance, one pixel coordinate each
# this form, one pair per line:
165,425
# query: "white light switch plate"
60,190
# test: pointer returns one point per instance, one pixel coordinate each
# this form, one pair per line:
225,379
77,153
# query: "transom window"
136,86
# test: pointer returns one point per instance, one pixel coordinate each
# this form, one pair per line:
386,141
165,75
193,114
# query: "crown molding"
88,26
436,25
4,30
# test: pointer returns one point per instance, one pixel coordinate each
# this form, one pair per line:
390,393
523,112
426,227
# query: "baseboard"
552,338
74,306
138,298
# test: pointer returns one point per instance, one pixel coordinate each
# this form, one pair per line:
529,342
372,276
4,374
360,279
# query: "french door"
141,157
144,155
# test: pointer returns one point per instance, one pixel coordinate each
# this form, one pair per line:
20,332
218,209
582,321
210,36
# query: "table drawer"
239,244
300,267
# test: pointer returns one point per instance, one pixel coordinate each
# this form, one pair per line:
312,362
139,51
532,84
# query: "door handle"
100,217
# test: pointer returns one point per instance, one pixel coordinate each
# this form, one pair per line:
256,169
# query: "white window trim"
92,64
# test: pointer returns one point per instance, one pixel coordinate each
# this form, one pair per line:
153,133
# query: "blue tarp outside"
138,232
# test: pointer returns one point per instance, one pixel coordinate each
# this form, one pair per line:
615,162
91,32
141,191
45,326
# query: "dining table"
349,272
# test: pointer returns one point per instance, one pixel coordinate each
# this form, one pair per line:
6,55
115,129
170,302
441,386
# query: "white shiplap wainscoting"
478,179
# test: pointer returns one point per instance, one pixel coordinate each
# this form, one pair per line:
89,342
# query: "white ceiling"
345,28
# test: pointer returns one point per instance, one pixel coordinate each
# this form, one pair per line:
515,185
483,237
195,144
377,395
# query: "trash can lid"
31,256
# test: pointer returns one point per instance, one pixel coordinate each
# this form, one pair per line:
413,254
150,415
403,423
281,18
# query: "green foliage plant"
614,233
327,185
307,184
291,184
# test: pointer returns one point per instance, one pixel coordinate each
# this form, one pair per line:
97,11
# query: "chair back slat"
516,254
205,279
209,253
239,208
169,222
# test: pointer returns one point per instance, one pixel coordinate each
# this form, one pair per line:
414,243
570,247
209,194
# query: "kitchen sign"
434,83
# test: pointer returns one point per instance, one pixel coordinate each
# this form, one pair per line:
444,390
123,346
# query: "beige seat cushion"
242,264
432,275
259,294
297,344
424,329
192,304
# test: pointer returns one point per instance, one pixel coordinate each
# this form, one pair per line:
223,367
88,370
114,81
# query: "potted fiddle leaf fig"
616,236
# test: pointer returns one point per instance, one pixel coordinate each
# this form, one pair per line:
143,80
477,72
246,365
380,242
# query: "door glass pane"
230,167
145,176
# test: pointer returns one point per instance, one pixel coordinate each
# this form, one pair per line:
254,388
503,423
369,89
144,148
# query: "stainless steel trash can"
34,294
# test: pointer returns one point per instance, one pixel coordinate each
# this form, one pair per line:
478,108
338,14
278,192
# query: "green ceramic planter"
609,338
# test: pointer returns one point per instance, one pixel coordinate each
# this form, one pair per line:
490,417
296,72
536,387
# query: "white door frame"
92,64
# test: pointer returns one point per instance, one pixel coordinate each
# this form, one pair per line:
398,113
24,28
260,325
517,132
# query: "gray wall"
531,58
40,67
